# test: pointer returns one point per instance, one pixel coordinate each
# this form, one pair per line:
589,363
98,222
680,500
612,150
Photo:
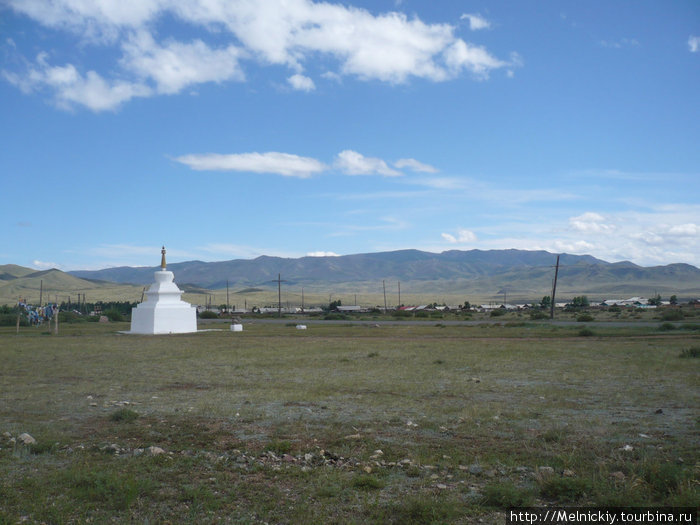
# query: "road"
433,322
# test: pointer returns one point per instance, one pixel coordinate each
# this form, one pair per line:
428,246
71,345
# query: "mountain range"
488,272
455,275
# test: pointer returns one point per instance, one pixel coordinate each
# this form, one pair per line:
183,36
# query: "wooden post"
554,290
384,287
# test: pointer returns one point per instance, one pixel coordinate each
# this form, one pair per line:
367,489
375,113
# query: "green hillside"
17,282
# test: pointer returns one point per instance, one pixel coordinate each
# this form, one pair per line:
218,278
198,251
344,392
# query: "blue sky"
231,129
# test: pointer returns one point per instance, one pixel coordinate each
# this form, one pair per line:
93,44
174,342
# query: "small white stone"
26,439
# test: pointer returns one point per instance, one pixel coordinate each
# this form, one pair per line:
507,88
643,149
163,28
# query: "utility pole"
399,293
554,289
302,299
227,305
41,291
279,282
384,286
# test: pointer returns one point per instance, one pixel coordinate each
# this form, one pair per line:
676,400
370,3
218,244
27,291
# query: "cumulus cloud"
71,88
460,56
463,236
301,83
177,65
579,247
476,22
322,254
590,222
415,165
284,164
694,44
44,265
354,163
389,47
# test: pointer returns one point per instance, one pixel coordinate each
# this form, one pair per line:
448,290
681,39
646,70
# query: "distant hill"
18,282
519,272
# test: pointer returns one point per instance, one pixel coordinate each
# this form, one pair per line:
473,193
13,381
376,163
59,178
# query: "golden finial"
162,258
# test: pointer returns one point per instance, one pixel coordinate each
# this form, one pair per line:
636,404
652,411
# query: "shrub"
124,415
538,314
586,332
565,489
367,482
665,327
506,495
108,489
208,314
672,315
279,447
418,510
71,317
664,478
113,315
690,352
498,312
584,318
11,320
335,317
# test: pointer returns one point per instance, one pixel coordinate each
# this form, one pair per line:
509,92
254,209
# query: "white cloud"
415,165
322,254
460,56
577,247
694,44
685,230
353,163
44,265
177,65
272,162
72,89
620,43
463,236
476,22
389,47
301,83
590,222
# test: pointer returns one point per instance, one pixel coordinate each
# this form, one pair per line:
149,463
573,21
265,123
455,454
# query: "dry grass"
463,416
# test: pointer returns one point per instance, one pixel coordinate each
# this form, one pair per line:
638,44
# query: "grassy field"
344,424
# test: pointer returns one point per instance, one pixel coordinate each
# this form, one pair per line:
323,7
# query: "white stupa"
163,312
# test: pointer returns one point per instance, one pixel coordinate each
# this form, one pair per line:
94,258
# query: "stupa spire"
162,259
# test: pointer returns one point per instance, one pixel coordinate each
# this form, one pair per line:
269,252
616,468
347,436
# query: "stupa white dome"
163,311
